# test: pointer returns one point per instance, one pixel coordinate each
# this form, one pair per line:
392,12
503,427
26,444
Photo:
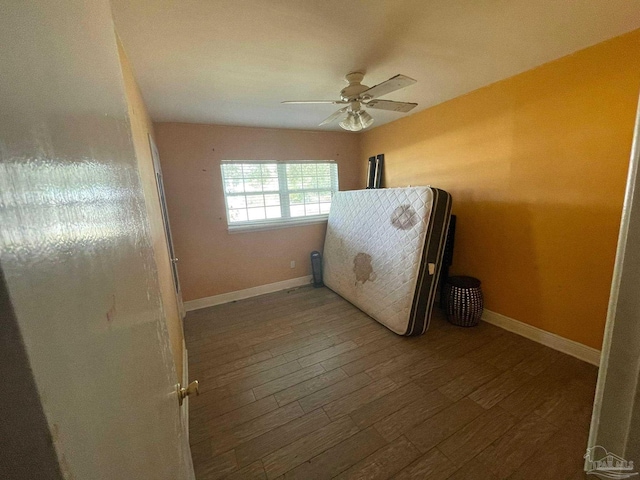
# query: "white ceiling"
233,61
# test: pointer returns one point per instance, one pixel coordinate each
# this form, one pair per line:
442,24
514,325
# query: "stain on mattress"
404,217
362,268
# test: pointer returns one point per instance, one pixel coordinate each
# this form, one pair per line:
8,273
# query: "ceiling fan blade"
333,116
333,102
391,85
391,105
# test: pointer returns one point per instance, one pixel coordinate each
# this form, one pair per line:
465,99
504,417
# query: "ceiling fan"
357,97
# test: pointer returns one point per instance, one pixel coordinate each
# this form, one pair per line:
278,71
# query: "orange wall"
212,261
537,167
141,127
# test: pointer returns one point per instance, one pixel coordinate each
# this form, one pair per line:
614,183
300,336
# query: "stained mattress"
383,251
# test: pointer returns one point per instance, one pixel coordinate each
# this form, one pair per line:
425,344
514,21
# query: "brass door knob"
192,388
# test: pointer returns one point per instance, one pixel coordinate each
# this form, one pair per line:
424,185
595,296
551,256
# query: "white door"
75,248
167,225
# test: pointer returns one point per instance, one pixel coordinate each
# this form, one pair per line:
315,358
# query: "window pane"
270,185
232,171
237,201
294,169
253,185
313,209
309,169
309,182
324,182
255,201
251,171
269,170
234,185
256,213
297,210
311,197
325,197
272,200
295,183
238,215
323,169
296,198
325,207
273,212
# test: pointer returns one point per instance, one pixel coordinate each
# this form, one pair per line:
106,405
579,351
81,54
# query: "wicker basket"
463,301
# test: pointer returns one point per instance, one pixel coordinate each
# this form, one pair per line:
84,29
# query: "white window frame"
286,220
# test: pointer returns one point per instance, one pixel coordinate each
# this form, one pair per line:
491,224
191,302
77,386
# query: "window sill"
256,227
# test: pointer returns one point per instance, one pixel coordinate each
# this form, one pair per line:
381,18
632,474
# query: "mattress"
383,251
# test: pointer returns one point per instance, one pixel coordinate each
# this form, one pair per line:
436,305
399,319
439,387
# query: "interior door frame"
615,424
167,224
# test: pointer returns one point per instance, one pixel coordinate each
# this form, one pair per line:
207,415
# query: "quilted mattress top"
373,249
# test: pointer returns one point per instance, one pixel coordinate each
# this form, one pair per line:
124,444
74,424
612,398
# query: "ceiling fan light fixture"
365,119
350,123
357,121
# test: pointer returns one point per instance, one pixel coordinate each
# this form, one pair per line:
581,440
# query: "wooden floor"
301,384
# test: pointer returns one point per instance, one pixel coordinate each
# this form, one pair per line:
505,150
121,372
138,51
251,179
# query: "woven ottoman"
463,301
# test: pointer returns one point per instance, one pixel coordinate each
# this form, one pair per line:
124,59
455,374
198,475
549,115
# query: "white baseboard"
246,293
551,340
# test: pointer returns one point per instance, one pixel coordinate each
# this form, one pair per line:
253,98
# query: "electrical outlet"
292,264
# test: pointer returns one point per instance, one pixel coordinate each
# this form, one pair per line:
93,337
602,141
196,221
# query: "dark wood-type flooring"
301,384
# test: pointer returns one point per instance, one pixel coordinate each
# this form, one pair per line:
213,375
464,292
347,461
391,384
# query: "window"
265,194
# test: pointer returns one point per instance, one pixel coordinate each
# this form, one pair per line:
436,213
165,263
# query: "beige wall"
536,165
141,127
212,261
